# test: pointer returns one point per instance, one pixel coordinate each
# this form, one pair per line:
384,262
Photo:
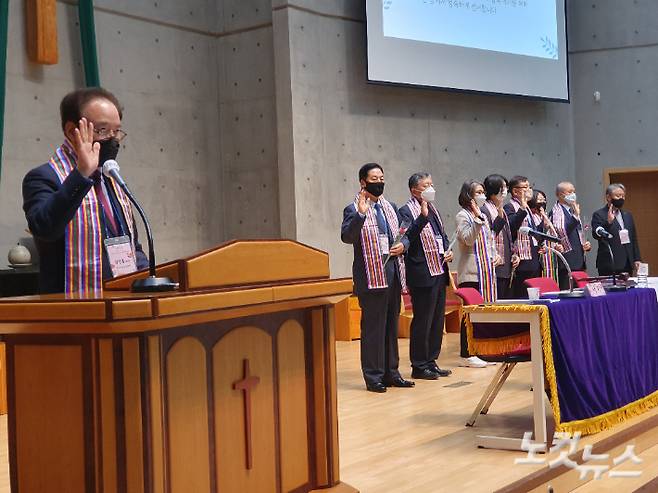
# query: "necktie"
105,203
381,220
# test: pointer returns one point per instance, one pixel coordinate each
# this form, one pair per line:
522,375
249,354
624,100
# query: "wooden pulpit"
227,385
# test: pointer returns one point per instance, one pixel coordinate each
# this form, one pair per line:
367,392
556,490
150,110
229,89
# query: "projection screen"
516,47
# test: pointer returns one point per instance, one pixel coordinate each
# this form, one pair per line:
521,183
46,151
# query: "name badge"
594,289
624,236
439,242
120,255
383,244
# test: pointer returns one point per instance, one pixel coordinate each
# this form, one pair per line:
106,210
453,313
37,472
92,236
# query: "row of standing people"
494,258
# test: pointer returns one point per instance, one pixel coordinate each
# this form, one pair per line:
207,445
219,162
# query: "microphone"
525,230
602,233
111,170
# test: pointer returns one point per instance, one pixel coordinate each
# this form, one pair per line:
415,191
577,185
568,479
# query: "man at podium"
82,221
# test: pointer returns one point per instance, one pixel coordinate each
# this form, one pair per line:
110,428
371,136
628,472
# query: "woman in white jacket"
477,254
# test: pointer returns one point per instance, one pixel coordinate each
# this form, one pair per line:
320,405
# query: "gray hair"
614,186
416,177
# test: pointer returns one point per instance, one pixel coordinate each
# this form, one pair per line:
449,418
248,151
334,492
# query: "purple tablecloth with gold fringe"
600,355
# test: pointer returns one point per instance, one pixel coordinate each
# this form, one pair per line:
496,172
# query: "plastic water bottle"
642,275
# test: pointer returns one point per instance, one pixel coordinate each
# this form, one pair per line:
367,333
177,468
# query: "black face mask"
375,189
109,150
618,203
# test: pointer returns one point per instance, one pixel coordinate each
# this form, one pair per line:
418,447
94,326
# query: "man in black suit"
565,217
71,208
527,248
620,225
371,224
427,277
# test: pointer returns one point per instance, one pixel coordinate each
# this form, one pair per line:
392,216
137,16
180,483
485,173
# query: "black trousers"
429,304
503,288
519,289
380,309
463,341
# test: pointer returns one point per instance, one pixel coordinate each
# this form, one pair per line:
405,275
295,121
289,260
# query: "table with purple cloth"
601,359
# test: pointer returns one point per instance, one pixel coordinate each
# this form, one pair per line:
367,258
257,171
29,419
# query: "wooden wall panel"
187,417
107,407
41,30
48,385
319,398
132,394
229,353
3,379
157,413
293,412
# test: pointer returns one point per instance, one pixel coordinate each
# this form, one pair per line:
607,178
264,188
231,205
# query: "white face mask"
503,193
480,199
428,194
571,198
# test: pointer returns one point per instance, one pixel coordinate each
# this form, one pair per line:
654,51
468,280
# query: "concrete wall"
614,50
160,59
339,122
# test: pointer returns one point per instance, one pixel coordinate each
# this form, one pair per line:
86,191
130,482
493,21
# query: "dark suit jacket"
49,206
576,257
498,224
515,220
624,255
350,232
417,270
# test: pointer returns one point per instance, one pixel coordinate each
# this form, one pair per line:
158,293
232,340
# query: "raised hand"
424,208
85,147
611,213
363,204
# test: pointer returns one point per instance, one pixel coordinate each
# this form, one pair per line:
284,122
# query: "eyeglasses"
106,133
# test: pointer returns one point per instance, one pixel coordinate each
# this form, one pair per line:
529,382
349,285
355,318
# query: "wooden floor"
414,440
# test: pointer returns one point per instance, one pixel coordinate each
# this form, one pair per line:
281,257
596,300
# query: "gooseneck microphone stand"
565,294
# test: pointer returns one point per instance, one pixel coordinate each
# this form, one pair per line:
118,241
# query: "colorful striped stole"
428,238
500,239
548,259
372,255
558,218
484,259
523,244
83,236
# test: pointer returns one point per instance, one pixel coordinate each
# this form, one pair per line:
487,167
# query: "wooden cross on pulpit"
246,385
41,19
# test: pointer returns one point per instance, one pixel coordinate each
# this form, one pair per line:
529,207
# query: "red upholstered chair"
580,278
471,296
509,360
545,284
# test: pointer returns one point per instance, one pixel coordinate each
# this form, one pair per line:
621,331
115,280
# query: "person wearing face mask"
526,247
495,187
82,222
477,255
547,259
427,277
619,223
565,216
371,224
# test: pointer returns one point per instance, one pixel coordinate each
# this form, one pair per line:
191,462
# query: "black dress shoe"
425,374
441,371
378,387
399,382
